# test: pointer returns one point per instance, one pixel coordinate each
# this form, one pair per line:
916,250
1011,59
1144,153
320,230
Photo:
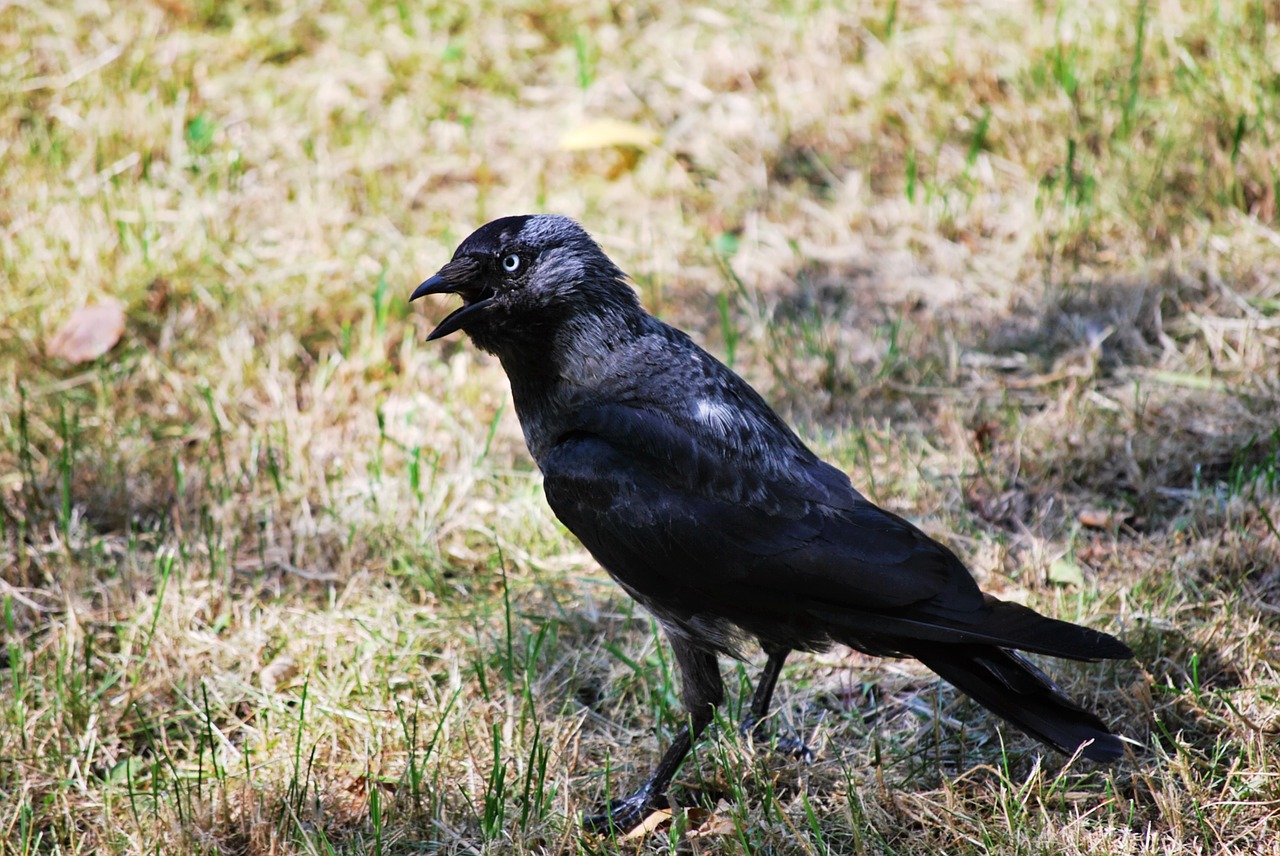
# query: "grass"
276,577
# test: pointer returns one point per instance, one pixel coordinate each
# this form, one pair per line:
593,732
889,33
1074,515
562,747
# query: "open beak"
472,302
436,285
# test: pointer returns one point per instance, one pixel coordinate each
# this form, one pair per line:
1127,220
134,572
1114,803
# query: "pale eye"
511,263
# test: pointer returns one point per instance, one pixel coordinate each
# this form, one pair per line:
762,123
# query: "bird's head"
522,279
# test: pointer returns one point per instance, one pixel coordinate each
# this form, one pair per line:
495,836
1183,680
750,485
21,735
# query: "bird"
712,513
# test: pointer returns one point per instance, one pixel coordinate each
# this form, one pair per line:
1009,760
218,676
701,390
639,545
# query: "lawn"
277,577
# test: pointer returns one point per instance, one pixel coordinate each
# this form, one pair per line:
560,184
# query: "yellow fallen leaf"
89,333
1066,572
648,825
607,133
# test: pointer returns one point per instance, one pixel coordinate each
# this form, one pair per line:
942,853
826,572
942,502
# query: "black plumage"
709,510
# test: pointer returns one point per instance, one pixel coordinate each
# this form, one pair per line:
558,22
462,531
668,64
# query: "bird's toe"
792,745
625,814
787,744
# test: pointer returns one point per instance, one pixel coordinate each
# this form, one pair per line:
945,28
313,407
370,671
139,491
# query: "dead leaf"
985,435
89,333
709,824
608,133
1093,552
277,672
1101,518
362,783
648,825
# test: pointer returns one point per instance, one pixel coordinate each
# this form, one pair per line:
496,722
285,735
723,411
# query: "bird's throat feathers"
579,357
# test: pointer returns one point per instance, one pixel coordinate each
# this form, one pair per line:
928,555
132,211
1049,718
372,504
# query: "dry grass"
277,578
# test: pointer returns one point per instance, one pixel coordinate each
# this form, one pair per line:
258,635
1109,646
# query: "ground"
277,577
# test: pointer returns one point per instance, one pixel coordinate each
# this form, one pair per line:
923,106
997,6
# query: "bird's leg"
703,691
753,723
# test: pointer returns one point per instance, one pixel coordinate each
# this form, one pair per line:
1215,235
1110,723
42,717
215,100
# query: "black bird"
708,510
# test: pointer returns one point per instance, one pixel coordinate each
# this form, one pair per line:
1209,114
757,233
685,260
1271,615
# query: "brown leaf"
361,783
711,824
1101,518
1094,552
89,333
985,435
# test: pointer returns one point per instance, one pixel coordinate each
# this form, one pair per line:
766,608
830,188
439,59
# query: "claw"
625,815
788,744
795,747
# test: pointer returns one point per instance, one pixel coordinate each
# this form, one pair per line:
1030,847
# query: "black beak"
436,285
455,319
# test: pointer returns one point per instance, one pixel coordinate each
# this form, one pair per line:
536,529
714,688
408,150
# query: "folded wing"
786,550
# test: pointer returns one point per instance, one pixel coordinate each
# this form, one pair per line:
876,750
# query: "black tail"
997,623
1009,685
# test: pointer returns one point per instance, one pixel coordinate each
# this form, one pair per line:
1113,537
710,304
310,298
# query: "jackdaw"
708,509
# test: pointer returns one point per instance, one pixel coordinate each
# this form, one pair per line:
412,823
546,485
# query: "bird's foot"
792,745
788,744
625,815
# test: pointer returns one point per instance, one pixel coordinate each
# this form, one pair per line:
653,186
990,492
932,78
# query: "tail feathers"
1027,630
1009,685
998,624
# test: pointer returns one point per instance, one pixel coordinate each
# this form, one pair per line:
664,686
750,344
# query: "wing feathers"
801,572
